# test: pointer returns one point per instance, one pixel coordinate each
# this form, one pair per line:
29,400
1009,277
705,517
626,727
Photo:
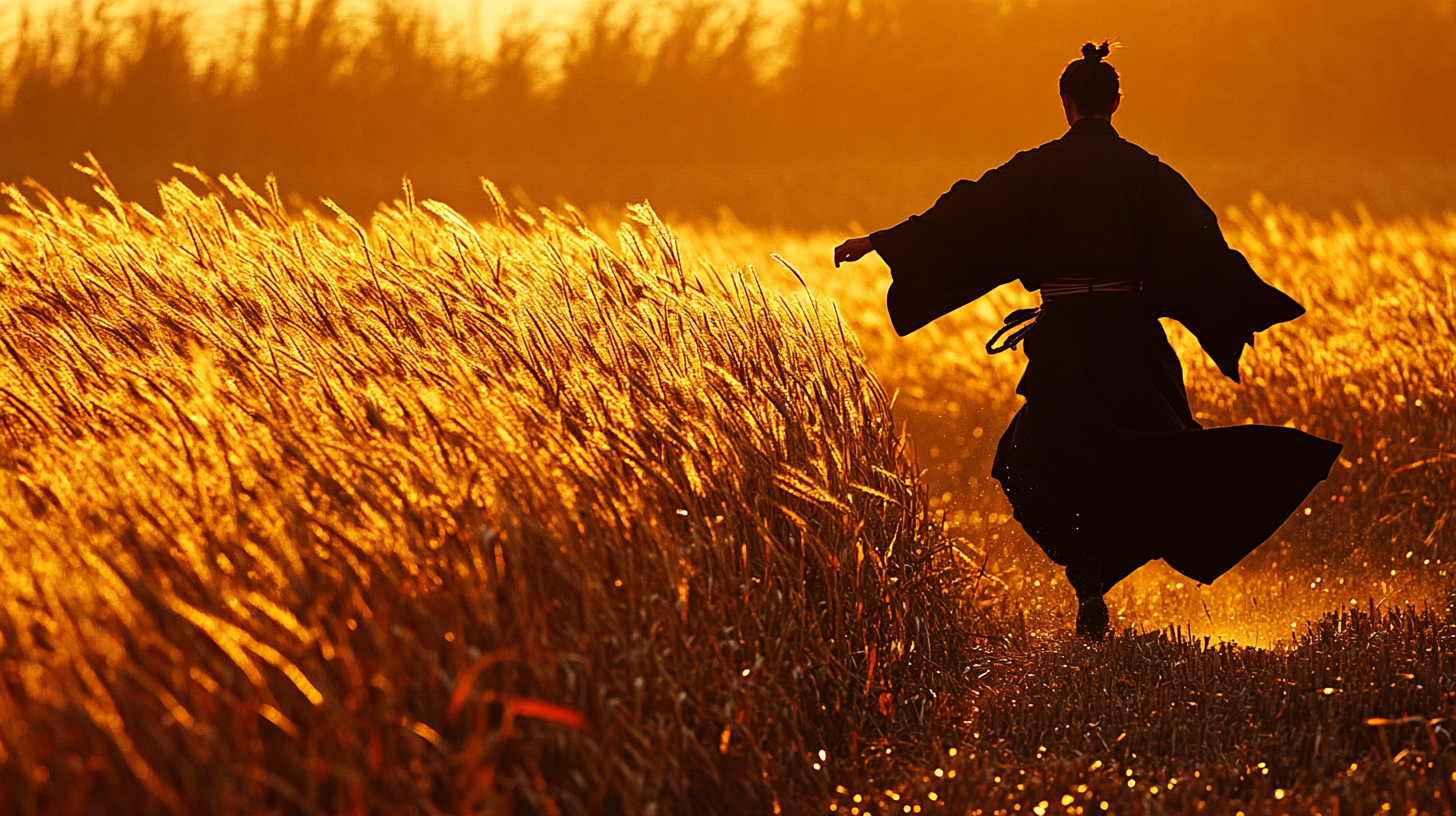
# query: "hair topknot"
1090,83
1096,53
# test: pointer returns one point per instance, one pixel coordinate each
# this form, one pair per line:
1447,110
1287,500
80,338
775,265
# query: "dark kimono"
1104,459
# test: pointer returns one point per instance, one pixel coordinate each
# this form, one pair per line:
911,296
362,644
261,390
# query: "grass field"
1373,365
422,515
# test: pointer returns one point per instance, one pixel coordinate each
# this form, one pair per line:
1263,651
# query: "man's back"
1088,213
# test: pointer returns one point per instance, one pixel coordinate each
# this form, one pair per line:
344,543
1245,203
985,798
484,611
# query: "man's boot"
1085,577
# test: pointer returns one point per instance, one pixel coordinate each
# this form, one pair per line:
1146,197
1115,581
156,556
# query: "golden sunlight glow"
334,479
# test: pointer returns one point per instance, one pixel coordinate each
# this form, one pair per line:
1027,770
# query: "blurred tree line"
841,109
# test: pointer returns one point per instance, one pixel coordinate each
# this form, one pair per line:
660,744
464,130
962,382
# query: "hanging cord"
1018,323
1021,321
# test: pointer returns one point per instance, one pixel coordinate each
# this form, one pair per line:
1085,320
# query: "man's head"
1090,86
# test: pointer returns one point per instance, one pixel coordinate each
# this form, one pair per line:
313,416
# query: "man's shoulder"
1035,154
1024,161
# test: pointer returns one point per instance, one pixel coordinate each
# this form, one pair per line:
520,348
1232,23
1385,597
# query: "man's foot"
1092,619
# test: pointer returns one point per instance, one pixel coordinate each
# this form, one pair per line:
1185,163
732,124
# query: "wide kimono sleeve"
1199,281
958,250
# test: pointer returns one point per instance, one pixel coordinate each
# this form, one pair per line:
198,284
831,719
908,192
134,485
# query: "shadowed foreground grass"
1353,717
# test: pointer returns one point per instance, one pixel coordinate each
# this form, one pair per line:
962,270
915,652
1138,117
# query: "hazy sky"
489,13
461,20
455,9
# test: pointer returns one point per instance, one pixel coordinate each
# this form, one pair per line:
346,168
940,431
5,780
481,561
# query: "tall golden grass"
424,515
435,516
810,113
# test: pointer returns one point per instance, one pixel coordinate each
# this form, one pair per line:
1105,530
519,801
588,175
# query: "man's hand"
852,250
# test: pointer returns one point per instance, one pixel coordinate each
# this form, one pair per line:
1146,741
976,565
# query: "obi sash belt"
1017,324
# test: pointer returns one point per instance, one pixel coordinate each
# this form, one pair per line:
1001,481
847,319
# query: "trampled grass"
433,516
1342,721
